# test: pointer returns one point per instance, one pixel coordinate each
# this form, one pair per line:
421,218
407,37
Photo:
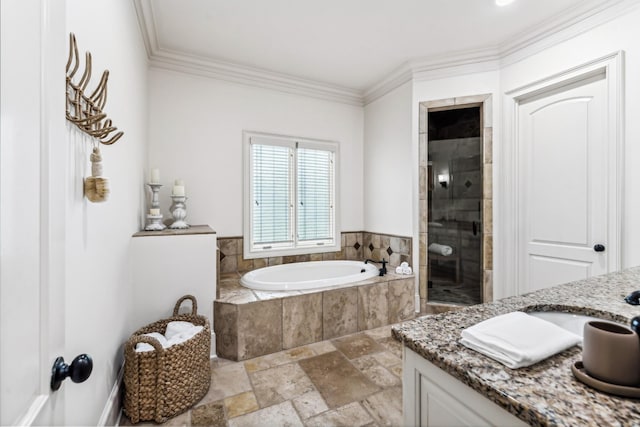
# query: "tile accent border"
485,102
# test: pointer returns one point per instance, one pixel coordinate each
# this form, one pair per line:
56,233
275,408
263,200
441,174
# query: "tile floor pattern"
355,380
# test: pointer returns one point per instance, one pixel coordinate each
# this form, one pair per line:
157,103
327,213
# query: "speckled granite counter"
546,393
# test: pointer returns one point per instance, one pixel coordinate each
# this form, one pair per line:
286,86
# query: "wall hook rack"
86,111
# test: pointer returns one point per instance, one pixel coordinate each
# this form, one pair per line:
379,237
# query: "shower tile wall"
356,246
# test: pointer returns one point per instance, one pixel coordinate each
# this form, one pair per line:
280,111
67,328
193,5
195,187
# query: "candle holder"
154,222
179,212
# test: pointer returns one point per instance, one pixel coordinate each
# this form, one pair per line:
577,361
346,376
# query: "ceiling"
345,44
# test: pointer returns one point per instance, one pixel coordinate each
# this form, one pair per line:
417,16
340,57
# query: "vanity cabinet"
432,397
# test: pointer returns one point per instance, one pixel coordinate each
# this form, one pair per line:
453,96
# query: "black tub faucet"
383,270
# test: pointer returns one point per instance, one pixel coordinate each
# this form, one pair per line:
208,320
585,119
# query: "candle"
179,182
155,176
154,212
178,190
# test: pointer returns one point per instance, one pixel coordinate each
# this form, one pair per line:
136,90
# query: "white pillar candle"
155,176
179,182
154,212
178,190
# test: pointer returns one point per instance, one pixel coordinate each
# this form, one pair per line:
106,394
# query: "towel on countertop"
439,249
517,339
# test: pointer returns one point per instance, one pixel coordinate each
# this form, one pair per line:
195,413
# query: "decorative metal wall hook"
86,112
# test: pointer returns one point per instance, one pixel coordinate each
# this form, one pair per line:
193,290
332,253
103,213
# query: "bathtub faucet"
383,270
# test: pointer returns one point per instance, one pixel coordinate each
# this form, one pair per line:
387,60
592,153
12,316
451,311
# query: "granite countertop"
546,393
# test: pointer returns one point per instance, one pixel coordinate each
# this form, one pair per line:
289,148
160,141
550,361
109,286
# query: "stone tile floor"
355,380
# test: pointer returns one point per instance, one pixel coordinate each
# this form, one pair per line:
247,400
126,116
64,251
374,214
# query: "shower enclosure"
454,204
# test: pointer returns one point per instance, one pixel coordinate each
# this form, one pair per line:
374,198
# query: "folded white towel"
517,339
176,327
399,270
439,249
184,335
407,270
143,346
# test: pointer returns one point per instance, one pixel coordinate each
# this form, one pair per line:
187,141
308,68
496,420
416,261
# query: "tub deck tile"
252,323
301,320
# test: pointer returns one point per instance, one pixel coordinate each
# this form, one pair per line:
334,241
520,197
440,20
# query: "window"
290,196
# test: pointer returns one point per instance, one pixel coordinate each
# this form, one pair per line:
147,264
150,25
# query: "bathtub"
302,276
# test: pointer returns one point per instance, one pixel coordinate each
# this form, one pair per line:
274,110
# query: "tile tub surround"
289,387
546,393
356,246
251,323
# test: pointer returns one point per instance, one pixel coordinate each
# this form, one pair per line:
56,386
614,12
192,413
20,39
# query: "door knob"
599,248
79,370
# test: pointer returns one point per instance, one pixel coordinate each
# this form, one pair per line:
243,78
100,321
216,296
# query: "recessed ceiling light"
503,2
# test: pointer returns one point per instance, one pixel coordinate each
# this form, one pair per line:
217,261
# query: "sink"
569,321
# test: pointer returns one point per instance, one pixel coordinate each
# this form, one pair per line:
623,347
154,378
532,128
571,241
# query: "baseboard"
111,412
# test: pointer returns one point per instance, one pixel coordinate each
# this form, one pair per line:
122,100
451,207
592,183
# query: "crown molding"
232,72
588,15
452,64
398,77
256,77
564,26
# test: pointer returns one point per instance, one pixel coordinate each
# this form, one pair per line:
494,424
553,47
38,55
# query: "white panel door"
563,150
32,158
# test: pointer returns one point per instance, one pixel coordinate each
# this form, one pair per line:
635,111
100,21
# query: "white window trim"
248,251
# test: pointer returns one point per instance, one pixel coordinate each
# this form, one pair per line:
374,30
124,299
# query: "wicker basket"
166,382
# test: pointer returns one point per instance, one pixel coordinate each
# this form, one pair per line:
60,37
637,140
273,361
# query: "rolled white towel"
404,264
399,270
143,346
176,327
407,270
517,339
184,335
439,249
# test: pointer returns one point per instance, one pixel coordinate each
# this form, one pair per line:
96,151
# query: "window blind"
271,188
314,194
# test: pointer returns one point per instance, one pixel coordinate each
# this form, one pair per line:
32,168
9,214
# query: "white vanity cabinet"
432,397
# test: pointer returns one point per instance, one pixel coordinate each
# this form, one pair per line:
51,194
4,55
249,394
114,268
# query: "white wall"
195,134
99,285
389,163
620,34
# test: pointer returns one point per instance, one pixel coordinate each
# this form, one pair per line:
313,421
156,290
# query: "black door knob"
79,370
598,248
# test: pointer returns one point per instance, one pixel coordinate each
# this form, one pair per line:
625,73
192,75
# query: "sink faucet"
383,270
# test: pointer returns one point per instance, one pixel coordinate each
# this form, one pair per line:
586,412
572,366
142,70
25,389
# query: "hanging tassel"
96,188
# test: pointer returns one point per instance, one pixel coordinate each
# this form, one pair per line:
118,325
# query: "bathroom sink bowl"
569,321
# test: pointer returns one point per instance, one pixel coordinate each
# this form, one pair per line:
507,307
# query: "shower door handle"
599,248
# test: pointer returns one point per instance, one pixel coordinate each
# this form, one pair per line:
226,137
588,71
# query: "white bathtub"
302,276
